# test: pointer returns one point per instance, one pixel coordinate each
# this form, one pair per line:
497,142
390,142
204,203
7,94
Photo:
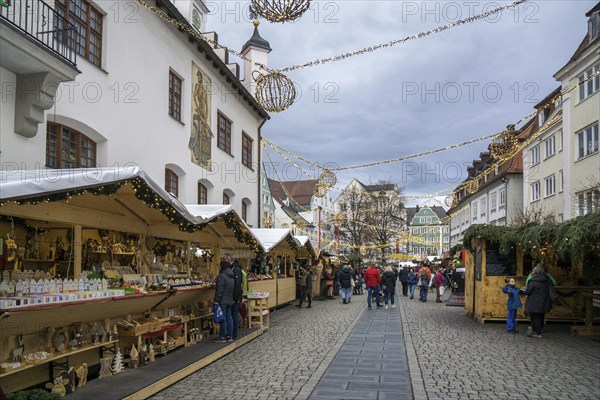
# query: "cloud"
458,85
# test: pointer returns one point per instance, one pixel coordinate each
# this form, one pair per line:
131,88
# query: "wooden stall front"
89,216
485,274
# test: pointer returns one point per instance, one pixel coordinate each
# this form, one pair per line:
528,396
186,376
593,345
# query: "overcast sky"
461,84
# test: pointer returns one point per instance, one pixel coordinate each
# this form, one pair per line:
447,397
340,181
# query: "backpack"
424,277
552,294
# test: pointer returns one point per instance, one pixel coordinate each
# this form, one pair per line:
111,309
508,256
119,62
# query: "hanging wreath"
275,92
321,191
280,10
451,201
472,186
328,179
503,145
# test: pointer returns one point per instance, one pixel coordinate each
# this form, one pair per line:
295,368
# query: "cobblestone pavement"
285,362
450,356
453,357
371,364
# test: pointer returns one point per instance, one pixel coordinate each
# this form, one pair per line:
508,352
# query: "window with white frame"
561,142
493,201
594,26
587,141
588,201
474,211
562,180
483,206
550,146
535,191
535,155
502,196
550,185
589,82
446,240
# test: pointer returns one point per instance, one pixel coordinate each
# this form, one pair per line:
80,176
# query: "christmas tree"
117,366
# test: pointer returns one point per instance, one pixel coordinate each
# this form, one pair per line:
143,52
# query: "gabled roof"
296,217
270,238
412,211
301,191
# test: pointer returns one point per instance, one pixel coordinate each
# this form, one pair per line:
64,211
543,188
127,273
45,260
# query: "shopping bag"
218,315
442,290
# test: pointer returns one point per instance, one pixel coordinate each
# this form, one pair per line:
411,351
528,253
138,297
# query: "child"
512,305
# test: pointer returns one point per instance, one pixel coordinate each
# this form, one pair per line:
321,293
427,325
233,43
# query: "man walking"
346,283
372,279
224,298
306,287
237,296
424,275
403,278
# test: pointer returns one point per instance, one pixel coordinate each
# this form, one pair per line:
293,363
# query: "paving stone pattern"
372,362
459,358
284,363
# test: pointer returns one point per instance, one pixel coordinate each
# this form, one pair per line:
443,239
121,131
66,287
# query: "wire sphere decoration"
321,191
451,201
503,145
275,92
280,11
472,186
328,178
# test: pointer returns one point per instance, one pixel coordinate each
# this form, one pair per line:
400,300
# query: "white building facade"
581,115
148,94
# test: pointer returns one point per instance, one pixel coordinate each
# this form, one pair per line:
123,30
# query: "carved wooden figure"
18,352
81,373
105,367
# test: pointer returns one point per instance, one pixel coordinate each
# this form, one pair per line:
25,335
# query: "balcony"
37,46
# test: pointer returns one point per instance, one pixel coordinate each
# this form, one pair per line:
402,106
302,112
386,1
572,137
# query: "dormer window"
594,26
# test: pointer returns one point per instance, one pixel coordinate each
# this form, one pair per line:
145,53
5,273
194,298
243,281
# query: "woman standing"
389,286
439,285
538,301
412,280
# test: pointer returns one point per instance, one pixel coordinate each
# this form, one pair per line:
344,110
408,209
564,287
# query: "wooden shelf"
55,357
45,261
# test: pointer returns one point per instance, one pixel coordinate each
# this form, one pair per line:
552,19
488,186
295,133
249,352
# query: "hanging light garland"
396,42
280,10
472,185
451,201
275,92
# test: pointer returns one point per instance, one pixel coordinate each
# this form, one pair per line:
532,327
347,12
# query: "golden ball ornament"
280,10
275,92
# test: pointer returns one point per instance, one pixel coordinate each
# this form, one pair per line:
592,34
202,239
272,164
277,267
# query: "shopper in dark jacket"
412,280
538,301
306,281
345,276
224,298
403,278
389,283
238,293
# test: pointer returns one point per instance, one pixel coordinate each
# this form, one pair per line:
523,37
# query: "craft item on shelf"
151,355
81,374
117,363
143,357
68,379
18,352
133,357
58,386
60,339
105,367
114,335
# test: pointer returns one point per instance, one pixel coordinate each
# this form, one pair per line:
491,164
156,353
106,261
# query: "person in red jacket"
372,279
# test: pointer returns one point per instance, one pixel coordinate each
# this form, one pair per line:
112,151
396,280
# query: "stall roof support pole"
77,261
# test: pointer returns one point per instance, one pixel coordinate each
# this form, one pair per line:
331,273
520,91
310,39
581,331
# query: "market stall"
102,265
568,252
281,251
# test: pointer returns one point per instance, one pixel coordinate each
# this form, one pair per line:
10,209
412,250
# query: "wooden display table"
266,286
258,311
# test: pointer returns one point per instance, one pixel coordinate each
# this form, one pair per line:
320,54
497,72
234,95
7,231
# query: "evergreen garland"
575,238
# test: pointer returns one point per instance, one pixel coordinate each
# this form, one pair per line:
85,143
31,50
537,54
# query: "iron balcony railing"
45,25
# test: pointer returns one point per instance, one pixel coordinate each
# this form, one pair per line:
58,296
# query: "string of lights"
392,43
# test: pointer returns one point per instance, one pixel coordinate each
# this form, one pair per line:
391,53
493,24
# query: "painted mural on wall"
201,134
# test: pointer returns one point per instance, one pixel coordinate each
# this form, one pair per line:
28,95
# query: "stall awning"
270,238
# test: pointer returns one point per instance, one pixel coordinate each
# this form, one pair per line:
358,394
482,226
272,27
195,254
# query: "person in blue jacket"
412,279
513,304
